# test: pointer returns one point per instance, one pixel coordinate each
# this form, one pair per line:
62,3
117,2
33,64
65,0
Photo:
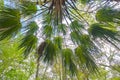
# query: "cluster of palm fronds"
61,20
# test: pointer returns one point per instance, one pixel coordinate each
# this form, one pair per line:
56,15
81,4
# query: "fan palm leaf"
50,52
9,22
28,43
62,28
47,31
108,15
58,42
31,28
100,31
75,36
76,26
85,59
28,7
68,62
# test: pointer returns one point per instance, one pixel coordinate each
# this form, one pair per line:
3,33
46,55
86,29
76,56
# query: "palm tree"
69,38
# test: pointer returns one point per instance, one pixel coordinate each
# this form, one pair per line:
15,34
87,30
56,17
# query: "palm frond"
68,62
108,15
98,30
75,36
108,33
85,59
31,28
61,10
28,7
58,42
47,20
85,41
28,44
76,26
50,52
47,31
84,1
9,22
62,28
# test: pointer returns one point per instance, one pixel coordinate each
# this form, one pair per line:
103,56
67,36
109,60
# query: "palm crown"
61,20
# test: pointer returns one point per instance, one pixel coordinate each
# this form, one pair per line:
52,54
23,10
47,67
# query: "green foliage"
62,28
85,59
99,30
58,42
110,34
47,19
84,1
50,52
102,76
14,74
115,78
75,36
31,28
9,22
75,62
1,3
68,62
82,39
85,41
47,31
76,26
28,8
108,15
12,65
116,67
28,44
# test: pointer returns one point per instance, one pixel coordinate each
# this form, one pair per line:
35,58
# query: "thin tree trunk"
37,70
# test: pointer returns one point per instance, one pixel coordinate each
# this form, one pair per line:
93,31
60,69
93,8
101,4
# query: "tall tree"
63,23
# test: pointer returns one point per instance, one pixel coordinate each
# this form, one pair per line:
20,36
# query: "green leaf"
67,53
50,52
99,30
85,41
75,36
1,4
9,22
115,78
28,44
109,34
47,19
47,31
108,15
76,26
67,57
84,1
58,42
85,59
28,8
31,28
62,28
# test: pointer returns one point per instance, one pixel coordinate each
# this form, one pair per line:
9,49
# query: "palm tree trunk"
37,70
